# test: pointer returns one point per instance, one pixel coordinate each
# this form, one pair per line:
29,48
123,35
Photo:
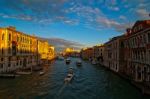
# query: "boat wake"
60,91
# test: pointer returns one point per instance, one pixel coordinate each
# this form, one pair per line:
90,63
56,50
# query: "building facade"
114,54
137,52
87,53
98,53
51,52
17,50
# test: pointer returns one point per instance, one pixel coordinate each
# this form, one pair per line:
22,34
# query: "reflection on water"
89,82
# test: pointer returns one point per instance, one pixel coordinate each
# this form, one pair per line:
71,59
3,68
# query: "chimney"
128,31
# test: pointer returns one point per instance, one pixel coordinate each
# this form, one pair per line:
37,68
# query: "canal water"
90,82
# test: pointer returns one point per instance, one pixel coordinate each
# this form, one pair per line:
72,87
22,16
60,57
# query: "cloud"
61,44
112,5
21,17
122,17
143,13
142,5
114,8
122,27
108,23
34,10
76,12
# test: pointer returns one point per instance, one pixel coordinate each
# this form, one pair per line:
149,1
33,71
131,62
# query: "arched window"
2,51
2,36
9,37
9,50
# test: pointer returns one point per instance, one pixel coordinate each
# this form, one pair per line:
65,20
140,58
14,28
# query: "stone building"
87,53
137,51
114,54
98,53
19,50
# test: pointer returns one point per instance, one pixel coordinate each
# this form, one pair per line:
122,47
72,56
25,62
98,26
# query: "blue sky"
81,22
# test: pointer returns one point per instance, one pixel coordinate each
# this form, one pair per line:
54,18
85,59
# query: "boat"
60,58
68,61
79,63
94,62
7,75
41,73
23,73
37,68
69,76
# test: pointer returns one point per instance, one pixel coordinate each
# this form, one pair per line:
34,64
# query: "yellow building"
43,48
19,50
51,52
67,51
45,51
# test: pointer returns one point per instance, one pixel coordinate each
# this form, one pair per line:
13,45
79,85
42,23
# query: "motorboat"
23,73
94,62
79,63
41,73
70,75
60,58
68,78
68,61
7,75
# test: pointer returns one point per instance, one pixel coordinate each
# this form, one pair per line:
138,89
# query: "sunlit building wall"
43,48
51,52
20,51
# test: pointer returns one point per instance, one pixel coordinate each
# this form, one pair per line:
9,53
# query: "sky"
73,23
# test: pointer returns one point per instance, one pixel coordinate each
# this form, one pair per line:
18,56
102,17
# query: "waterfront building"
68,51
137,52
114,54
98,53
43,51
19,50
51,52
87,53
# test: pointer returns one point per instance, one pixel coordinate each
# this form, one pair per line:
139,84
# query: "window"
21,39
17,38
135,29
149,56
20,62
9,50
2,59
149,37
9,65
17,63
2,51
1,66
122,45
2,36
144,39
9,37
30,41
9,59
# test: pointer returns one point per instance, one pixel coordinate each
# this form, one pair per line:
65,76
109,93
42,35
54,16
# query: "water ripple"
90,82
